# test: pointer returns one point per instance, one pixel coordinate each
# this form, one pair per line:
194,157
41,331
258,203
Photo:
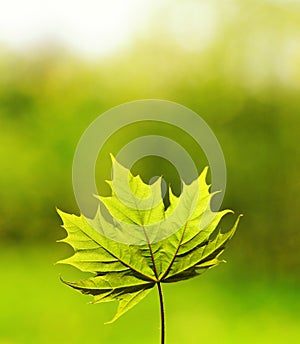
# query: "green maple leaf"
143,244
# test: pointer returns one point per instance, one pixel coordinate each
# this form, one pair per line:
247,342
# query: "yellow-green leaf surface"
172,244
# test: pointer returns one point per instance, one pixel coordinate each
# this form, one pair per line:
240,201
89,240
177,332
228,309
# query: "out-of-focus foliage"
261,311
245,83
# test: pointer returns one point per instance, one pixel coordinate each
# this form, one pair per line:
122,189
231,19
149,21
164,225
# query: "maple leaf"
142,244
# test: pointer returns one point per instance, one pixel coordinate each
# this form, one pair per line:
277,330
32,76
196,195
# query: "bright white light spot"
94,27
90,26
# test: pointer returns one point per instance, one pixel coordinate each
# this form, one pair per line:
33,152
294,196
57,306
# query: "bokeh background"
237,64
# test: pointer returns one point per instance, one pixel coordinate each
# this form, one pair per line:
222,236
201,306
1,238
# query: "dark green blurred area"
245,85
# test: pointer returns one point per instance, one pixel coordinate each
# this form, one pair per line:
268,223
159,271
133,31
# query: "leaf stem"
161,299
162,313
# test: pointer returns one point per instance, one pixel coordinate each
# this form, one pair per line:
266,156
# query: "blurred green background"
244,80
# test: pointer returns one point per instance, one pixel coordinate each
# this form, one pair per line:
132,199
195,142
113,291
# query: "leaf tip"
70,284
109,322
205,170
238,218
112,158
59,211
97,196
58,263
